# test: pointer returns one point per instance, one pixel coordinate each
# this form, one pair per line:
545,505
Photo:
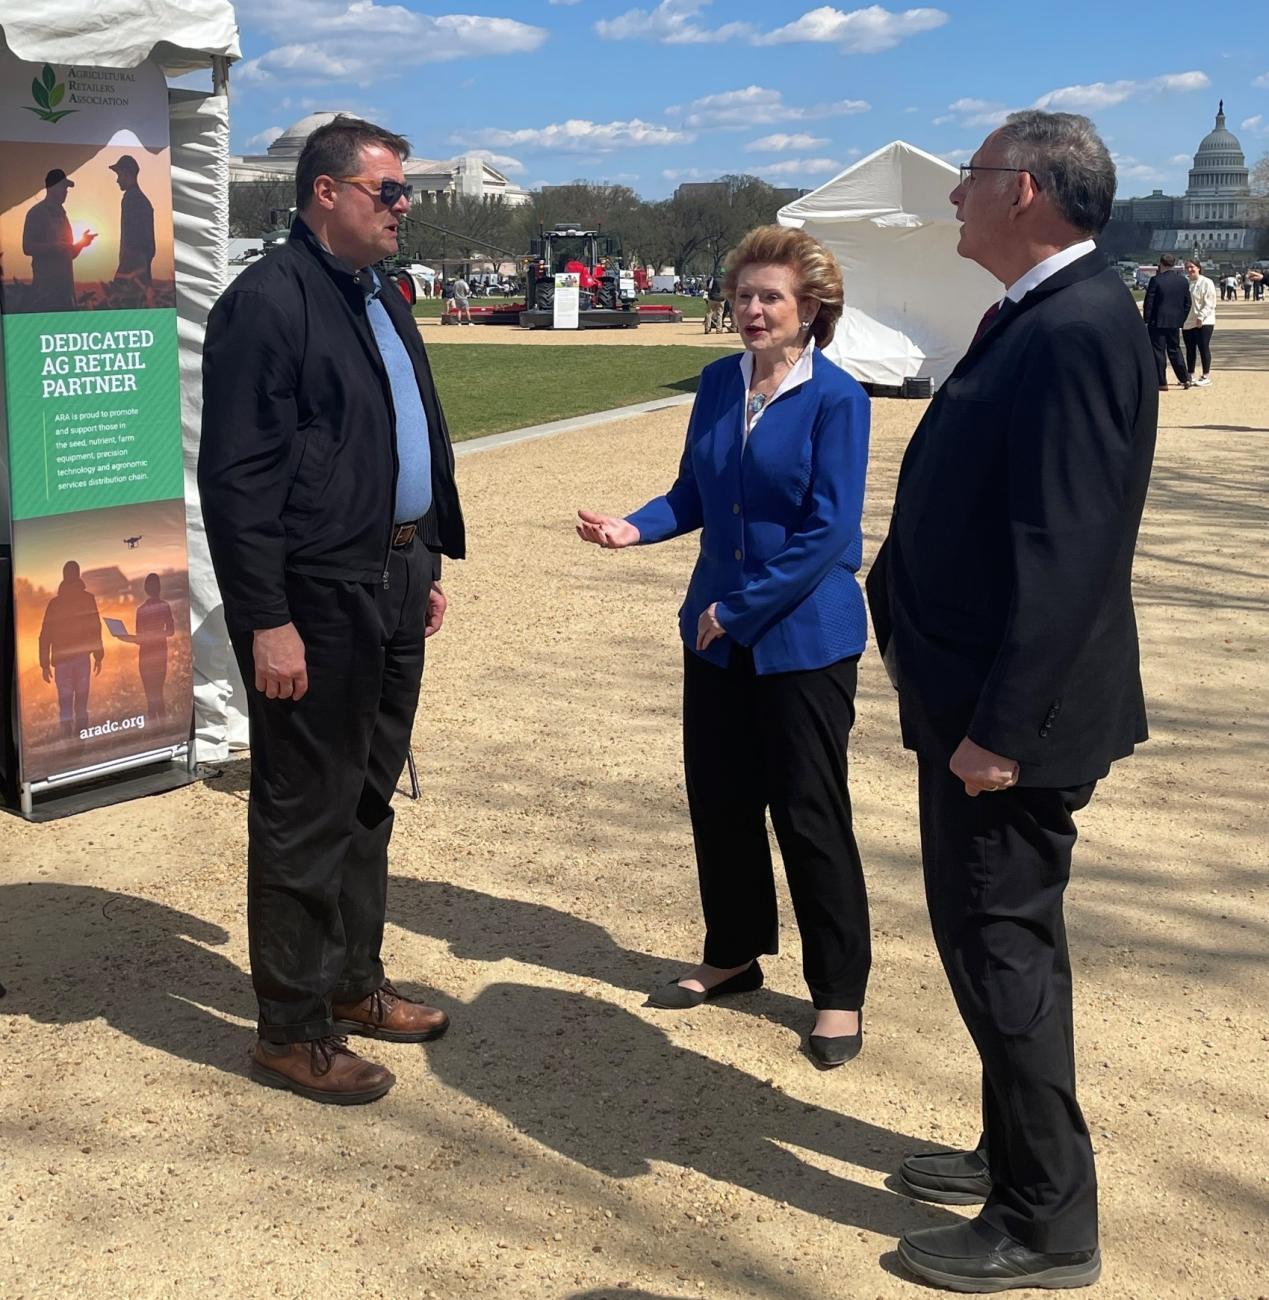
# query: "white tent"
912,303
184,36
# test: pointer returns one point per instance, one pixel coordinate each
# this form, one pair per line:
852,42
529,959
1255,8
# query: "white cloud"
1128,168
756,106
780,143
859,31
576,136
1073,99
1180,160
683,174
672,22
263,139
562,2
975,112
365,42
802,167
1251,123
1106,94
1262,81
502,162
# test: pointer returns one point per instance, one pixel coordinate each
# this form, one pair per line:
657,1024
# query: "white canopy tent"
183,37
912,303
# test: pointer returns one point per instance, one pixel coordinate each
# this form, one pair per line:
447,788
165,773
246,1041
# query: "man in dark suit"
1166,309
1003,608
327,482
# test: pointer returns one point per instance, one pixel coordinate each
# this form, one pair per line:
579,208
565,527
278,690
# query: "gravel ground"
564,1142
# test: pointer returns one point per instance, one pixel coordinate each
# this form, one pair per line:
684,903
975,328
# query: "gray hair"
1069,162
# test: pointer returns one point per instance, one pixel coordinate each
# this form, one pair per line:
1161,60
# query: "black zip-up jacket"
297,469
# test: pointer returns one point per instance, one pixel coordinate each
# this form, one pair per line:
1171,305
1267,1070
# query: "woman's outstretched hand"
606,531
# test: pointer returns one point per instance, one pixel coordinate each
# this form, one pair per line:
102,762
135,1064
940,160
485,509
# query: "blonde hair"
818,275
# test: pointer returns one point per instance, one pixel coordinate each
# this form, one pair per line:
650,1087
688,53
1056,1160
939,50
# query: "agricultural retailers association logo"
48,92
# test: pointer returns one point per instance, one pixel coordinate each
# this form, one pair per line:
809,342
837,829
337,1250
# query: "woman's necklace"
756,402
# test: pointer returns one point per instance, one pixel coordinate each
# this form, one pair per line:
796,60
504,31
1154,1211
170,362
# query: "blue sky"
652,94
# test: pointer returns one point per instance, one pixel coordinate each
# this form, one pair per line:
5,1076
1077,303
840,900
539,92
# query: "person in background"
462,300
1002,606
714,298
1199,324
772,626
1166,308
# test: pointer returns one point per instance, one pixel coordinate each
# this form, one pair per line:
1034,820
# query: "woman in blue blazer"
773,626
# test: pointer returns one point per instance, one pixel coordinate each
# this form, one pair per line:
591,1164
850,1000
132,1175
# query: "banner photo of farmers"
92,410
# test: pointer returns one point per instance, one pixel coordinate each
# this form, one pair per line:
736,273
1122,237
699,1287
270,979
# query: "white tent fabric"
912,302
200,202
183,38
182,35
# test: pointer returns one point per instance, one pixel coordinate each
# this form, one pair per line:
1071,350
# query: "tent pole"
220,74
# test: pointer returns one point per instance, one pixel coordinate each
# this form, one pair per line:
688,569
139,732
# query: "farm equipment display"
608,297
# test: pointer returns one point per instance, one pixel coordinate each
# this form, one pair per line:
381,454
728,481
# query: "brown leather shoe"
387,1015
321,1069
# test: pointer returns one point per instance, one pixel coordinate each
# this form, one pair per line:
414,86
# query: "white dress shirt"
1041,271
799,373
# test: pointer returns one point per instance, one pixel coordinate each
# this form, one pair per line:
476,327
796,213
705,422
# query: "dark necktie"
983,325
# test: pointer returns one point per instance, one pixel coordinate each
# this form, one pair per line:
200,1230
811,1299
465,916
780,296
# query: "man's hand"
47,674
279,657
708,628
97,658
436,605
982,771
606,531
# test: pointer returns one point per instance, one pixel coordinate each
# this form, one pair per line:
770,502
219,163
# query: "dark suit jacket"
297,467
1167,299
1002,596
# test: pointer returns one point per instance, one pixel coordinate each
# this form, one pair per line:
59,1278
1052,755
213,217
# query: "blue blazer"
781,540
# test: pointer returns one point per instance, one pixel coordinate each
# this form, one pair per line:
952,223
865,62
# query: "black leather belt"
403,535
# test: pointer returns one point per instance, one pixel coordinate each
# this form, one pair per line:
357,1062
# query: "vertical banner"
567,296
92,406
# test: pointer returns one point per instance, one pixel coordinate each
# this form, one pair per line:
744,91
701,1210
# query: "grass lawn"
692,308
502,386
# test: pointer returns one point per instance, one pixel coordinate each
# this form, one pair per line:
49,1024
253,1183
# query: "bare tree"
252,203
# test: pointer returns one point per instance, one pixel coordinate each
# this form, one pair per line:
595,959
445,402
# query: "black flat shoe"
836,1049
946,1177
674,997
973,1257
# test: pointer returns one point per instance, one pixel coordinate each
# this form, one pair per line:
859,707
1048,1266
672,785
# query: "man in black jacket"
1003,608
327,483
1166,309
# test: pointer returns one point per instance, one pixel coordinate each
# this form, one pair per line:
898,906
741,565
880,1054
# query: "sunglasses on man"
389,193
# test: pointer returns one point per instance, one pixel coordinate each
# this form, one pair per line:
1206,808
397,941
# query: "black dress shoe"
974,1257
836,1049
947,1177
674,997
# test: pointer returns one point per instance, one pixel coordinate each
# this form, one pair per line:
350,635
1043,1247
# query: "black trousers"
777,741
1167,347
996,868
1198,340
323,772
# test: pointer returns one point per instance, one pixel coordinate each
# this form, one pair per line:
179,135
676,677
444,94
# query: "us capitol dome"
1213,213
